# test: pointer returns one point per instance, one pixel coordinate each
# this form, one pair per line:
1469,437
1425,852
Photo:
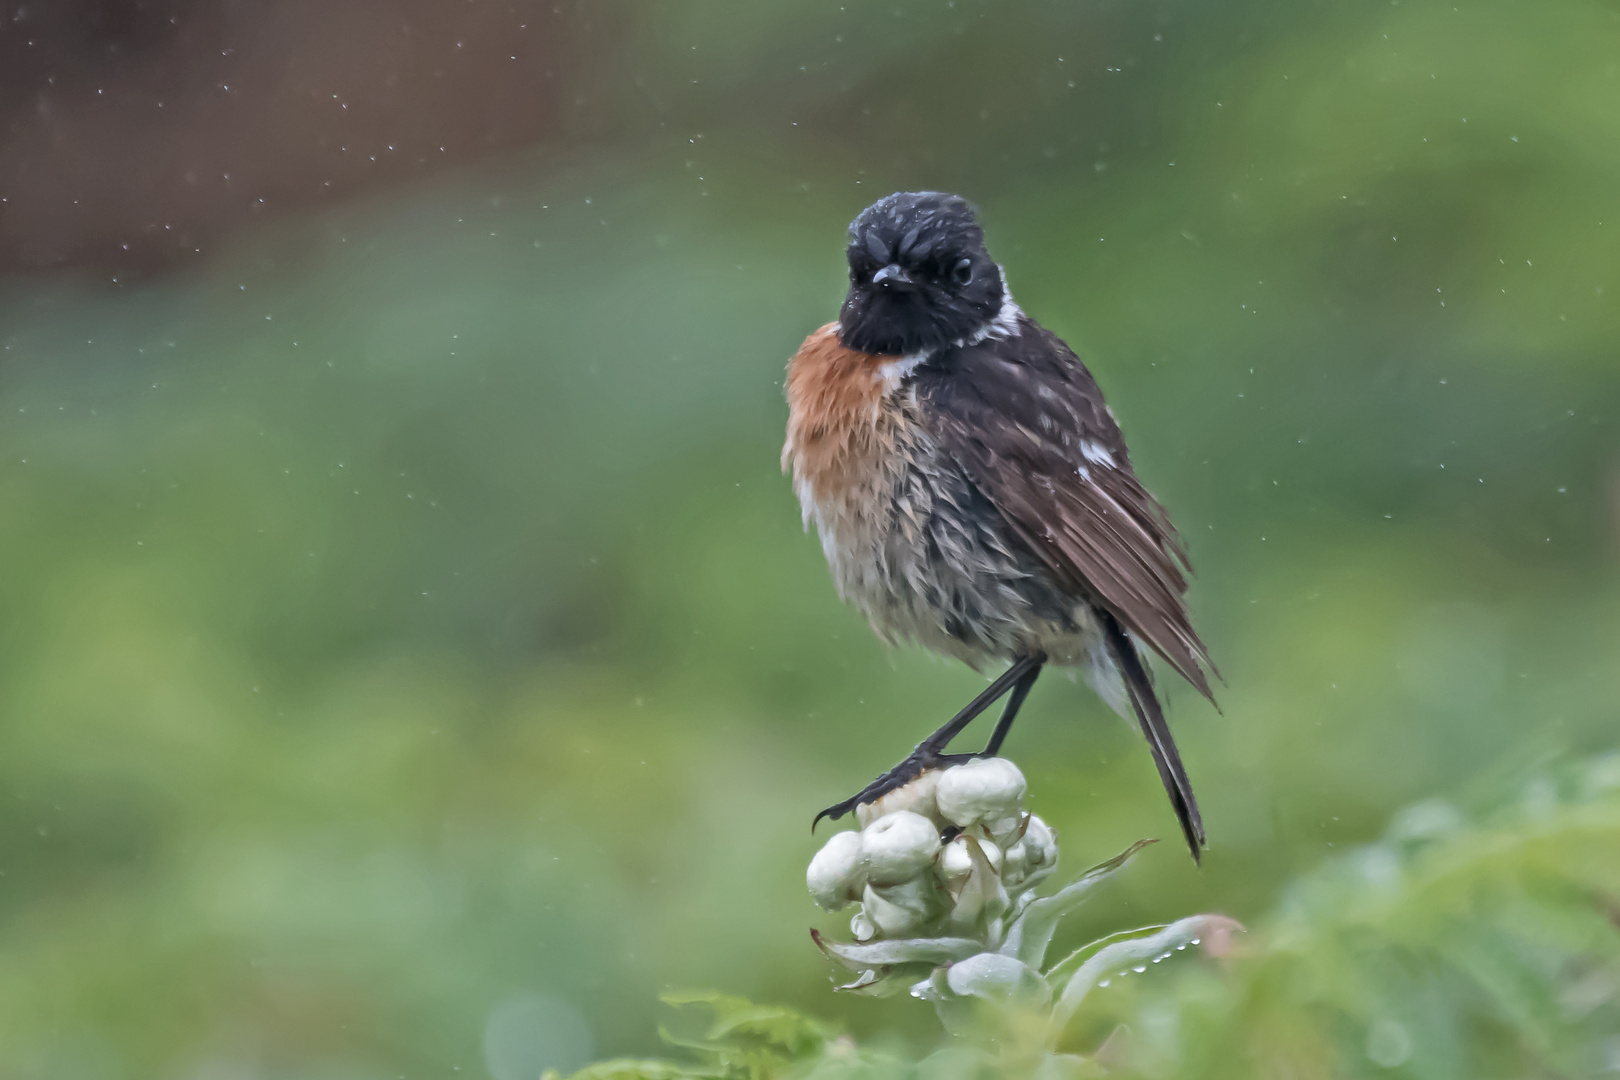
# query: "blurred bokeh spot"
526,1035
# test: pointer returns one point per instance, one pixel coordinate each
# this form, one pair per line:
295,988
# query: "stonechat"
972,490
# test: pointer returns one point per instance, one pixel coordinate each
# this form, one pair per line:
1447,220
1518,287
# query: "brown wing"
1026,421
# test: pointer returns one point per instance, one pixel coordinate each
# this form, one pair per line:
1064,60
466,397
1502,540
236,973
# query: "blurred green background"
410,658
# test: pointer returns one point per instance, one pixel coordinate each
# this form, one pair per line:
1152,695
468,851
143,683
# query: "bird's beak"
892,277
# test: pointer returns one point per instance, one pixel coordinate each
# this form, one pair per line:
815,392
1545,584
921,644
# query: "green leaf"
996,978
742,1041
642,1069
1031,933
1066,967
901,951
1131,952
739,1020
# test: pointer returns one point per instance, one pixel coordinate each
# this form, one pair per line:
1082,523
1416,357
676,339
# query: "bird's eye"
963,272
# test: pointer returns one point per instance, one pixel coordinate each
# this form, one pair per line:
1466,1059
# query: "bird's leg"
1015,701
930,753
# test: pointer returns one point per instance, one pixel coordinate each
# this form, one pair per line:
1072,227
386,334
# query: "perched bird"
972,490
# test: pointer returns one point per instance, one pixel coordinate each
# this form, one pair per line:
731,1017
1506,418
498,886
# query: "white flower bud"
899,910
1032,857
955,862
899,847
980,792
916,796
992,850
978,896
1006,831
838,872
1041,842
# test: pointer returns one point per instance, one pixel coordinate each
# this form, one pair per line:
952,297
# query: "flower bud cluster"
950,853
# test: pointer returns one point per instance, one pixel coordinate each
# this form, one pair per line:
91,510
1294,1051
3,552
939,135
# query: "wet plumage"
971,490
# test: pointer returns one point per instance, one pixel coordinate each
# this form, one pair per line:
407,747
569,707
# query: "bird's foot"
930,753
921,760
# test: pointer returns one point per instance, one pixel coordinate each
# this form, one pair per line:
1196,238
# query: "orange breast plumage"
910,540
842,448
839,424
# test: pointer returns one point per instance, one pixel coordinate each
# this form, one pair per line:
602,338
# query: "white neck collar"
1003,326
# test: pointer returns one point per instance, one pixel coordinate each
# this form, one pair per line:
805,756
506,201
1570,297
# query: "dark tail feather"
1139,684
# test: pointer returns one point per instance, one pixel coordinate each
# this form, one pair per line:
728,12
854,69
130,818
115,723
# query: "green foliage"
748,1040
742,1041
1445,950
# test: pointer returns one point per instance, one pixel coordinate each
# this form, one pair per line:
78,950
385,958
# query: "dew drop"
1105,982
1139,968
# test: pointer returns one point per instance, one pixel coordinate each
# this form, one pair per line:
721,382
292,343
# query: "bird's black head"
919,276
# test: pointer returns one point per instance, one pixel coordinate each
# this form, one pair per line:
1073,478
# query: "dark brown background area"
138,133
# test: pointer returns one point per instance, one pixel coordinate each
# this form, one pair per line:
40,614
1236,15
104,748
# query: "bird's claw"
919,761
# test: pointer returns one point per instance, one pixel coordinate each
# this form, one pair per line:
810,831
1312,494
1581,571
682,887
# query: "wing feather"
1027,423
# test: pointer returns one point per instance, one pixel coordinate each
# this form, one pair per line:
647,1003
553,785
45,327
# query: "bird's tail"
1139,686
